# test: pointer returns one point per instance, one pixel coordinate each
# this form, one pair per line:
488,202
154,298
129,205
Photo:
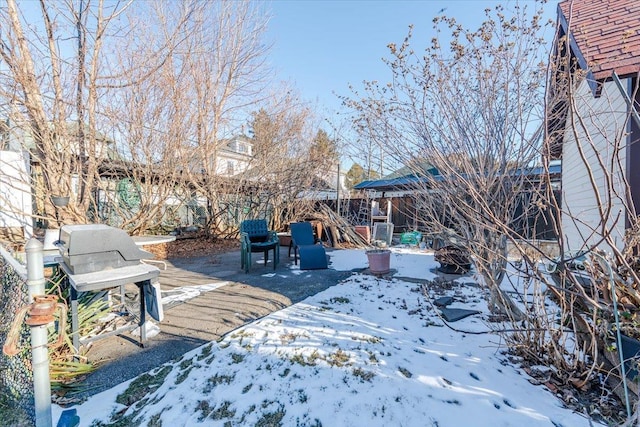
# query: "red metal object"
41,310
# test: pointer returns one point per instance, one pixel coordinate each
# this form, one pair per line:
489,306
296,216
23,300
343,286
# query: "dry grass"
193,247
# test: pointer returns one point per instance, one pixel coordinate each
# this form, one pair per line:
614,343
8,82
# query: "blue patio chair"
256,237
312,255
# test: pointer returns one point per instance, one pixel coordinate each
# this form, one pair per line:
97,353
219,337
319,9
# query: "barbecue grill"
96,257
87,248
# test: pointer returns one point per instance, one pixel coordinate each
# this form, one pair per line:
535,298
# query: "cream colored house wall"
240,163
593,161
234,157
15,192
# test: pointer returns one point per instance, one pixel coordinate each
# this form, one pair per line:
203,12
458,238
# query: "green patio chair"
256,237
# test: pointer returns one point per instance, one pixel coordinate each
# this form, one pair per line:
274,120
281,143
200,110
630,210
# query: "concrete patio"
235,298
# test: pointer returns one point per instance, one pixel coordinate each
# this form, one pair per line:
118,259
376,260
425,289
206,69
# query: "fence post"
35,268
39,348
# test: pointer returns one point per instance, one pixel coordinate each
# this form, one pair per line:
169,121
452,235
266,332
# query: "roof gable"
607,33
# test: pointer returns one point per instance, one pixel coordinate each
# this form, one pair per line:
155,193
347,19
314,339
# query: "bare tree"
225,62
293,160
146,183
462,119
460,116
47,82
124,106
368,148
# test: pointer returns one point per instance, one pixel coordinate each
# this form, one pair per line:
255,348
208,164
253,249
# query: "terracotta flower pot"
379,261
364,231
285,239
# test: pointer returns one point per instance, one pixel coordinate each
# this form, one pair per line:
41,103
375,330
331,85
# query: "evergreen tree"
264,132
356,174
323,149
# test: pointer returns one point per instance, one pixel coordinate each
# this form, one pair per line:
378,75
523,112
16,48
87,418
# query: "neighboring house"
230,158
233,156
595,130
20,139
326,186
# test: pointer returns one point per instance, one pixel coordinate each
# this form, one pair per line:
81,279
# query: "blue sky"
324,45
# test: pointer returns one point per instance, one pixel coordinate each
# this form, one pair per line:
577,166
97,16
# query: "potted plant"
630,345
51,237
60,201
453,259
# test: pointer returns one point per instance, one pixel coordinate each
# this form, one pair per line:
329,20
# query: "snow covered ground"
367,352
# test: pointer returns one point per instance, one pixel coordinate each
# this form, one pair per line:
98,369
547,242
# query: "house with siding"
234,157
594,125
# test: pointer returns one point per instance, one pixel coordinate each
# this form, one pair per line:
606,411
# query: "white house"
234,156
15,195
15,190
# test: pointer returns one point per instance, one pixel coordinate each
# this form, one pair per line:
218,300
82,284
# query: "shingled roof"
607,34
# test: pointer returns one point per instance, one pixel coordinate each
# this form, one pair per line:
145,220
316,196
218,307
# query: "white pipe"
41,381
39,339
35,268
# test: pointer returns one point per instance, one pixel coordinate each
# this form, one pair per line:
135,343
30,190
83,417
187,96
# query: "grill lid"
86,248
